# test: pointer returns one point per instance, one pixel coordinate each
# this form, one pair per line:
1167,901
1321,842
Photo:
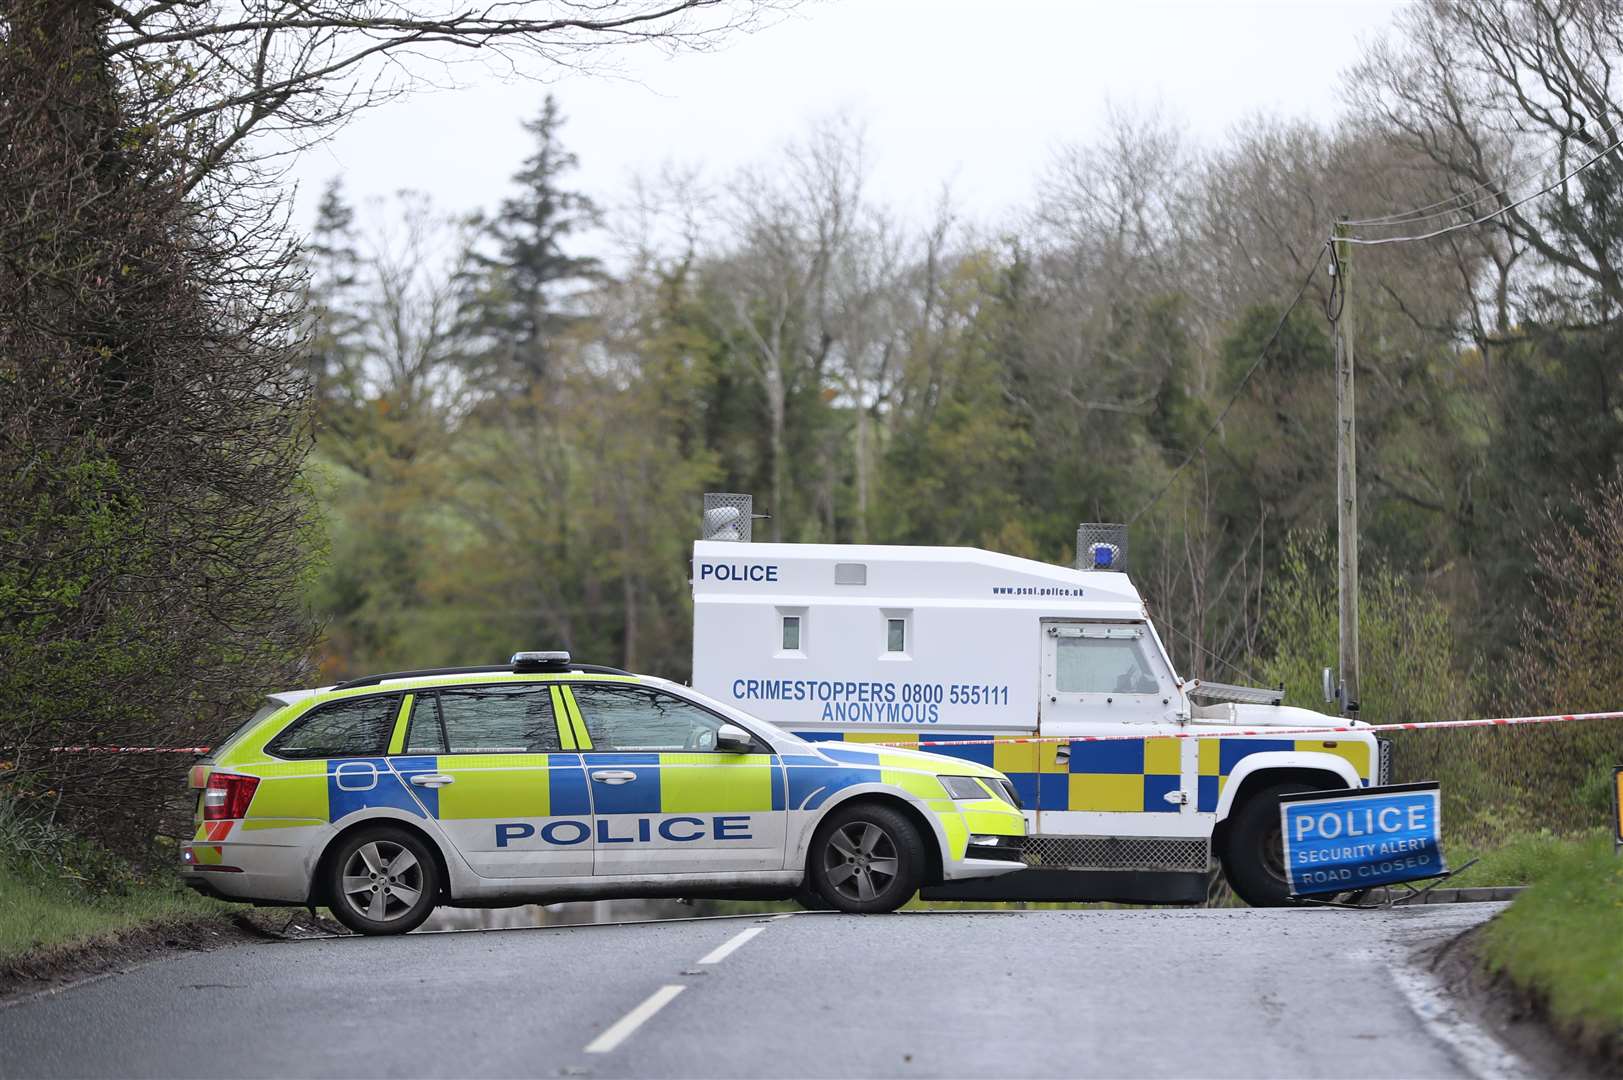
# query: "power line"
1313,268
1419,213
1210,653
1485,217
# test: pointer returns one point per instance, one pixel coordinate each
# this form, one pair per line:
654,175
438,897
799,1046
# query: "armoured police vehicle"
542,780
863,644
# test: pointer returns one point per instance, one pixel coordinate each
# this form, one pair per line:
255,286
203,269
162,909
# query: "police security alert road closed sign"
1346,840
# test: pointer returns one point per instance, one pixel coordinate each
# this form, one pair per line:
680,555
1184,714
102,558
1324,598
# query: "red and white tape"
130,749
1229,733
1225,733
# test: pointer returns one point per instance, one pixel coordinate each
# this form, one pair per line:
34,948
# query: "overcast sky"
979,93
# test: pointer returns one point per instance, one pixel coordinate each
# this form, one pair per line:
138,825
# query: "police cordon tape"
130,749
1227,733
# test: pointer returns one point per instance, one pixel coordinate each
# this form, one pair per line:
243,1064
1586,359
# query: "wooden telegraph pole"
1346,469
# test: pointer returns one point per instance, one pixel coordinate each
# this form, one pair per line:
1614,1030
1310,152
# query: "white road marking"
725,949
621,1030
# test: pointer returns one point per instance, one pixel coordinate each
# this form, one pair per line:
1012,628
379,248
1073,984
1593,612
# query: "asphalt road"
1072,993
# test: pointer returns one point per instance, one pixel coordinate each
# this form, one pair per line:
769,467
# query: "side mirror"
1329,685
732,739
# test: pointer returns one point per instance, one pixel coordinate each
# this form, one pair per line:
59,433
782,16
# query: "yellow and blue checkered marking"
1114,776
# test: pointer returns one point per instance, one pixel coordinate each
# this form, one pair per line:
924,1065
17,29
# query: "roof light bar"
557,660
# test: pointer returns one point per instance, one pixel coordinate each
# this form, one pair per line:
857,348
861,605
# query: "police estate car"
542,780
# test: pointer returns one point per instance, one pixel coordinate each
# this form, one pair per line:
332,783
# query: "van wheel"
382,880
867,858
1254,855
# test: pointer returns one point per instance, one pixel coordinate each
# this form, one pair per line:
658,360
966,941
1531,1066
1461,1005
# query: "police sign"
1346,840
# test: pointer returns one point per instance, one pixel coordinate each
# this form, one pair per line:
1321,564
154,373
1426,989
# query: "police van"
903,645
542,780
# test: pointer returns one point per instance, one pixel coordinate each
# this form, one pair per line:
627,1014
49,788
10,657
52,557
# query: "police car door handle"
432,780
613,776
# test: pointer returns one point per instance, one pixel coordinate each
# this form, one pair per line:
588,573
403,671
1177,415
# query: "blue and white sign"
1347,840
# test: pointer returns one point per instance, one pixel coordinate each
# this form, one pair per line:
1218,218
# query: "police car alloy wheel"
1254,854
867,858
382,880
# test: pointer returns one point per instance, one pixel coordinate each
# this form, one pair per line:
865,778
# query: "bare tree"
1507,98
215,72
775,287
154,535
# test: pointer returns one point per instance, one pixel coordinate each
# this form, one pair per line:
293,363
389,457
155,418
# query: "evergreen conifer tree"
518,299
333,265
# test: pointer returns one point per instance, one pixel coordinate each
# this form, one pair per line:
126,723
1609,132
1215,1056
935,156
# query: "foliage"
57,888
1408,669
1522,858
1567,660
153,544
1562,941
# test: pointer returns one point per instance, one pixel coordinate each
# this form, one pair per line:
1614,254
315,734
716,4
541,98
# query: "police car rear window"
359,727
262,713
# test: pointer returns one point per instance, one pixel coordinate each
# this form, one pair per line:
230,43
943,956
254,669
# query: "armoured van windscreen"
1087,665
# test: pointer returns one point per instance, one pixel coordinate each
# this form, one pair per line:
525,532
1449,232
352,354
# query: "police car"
542,780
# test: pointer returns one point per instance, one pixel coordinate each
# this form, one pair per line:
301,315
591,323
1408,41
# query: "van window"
359,727
1086,665
895,635
791,633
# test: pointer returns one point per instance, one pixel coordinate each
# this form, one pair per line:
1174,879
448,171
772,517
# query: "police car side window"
644,720
512,719
424,733
359,727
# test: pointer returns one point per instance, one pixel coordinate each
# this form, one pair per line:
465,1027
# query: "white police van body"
902,644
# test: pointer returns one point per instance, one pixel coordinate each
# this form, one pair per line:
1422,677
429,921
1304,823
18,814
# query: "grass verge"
1561,943
41,911
1519,859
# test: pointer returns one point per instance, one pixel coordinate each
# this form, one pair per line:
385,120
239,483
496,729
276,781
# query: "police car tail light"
227,795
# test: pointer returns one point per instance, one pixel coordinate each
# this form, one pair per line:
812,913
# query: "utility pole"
1346,468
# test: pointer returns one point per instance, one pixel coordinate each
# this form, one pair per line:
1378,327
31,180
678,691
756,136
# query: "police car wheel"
382,881
1253,856
867,858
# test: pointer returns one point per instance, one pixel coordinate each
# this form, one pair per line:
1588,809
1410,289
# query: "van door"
1110,678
